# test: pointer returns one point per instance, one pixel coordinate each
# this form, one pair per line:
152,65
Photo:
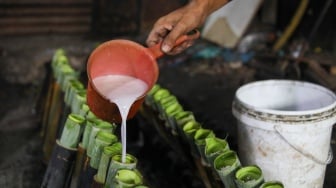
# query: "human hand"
170,27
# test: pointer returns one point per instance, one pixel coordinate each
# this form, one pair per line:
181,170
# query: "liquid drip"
123,91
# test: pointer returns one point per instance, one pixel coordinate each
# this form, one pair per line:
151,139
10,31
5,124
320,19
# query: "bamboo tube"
87,172
56,57
200,136
72,131
58,52
84,110
169,113
168,106
226,165
65,74
104,163
78,100
127,178
80,153
213,147
164,102
47,106
272,184
72,88
116,164
102,139
62,72
59,167
66,146
249,177
47,103
99,126
80,156
87,131
189,129
52,122
149,100
158,95
182,118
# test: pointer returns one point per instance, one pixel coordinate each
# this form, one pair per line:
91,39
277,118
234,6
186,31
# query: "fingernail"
165,48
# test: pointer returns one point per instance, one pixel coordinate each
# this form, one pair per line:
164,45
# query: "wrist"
209,6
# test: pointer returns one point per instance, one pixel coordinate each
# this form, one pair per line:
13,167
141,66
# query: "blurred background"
240,43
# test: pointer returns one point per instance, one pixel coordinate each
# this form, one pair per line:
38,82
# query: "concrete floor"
205,87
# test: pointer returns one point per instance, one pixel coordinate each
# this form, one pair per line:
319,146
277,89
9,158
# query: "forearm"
209,6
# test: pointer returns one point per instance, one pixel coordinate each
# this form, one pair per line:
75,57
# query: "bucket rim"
328,108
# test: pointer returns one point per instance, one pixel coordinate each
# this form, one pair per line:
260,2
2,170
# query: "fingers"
187,41
170,28
180,48
159,32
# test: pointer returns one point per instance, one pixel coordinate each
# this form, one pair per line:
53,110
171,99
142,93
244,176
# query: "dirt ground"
205,85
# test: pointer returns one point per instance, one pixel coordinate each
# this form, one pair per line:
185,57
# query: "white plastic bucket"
285,128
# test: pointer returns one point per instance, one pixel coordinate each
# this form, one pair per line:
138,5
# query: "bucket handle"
304,153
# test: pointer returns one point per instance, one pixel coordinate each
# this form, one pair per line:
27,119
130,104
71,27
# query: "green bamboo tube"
189,129
87,131
58,52
59,61
164,103
180,119
127,178
66,74
84,177
99,126
73,87
200,136
90,120
158,95
169,113
72,131
78,99
116,164
149,100
56,59
183,117
154,89
272,184
249,177
173,108
84,110
102,139
105,159
226,165
213,147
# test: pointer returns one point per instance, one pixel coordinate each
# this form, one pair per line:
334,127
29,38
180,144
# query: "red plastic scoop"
122,57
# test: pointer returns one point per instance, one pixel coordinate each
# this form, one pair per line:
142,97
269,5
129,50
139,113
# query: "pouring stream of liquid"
123,91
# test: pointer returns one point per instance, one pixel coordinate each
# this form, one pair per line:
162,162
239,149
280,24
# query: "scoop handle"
156,49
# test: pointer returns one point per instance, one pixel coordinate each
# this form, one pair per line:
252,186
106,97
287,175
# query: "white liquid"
123,91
